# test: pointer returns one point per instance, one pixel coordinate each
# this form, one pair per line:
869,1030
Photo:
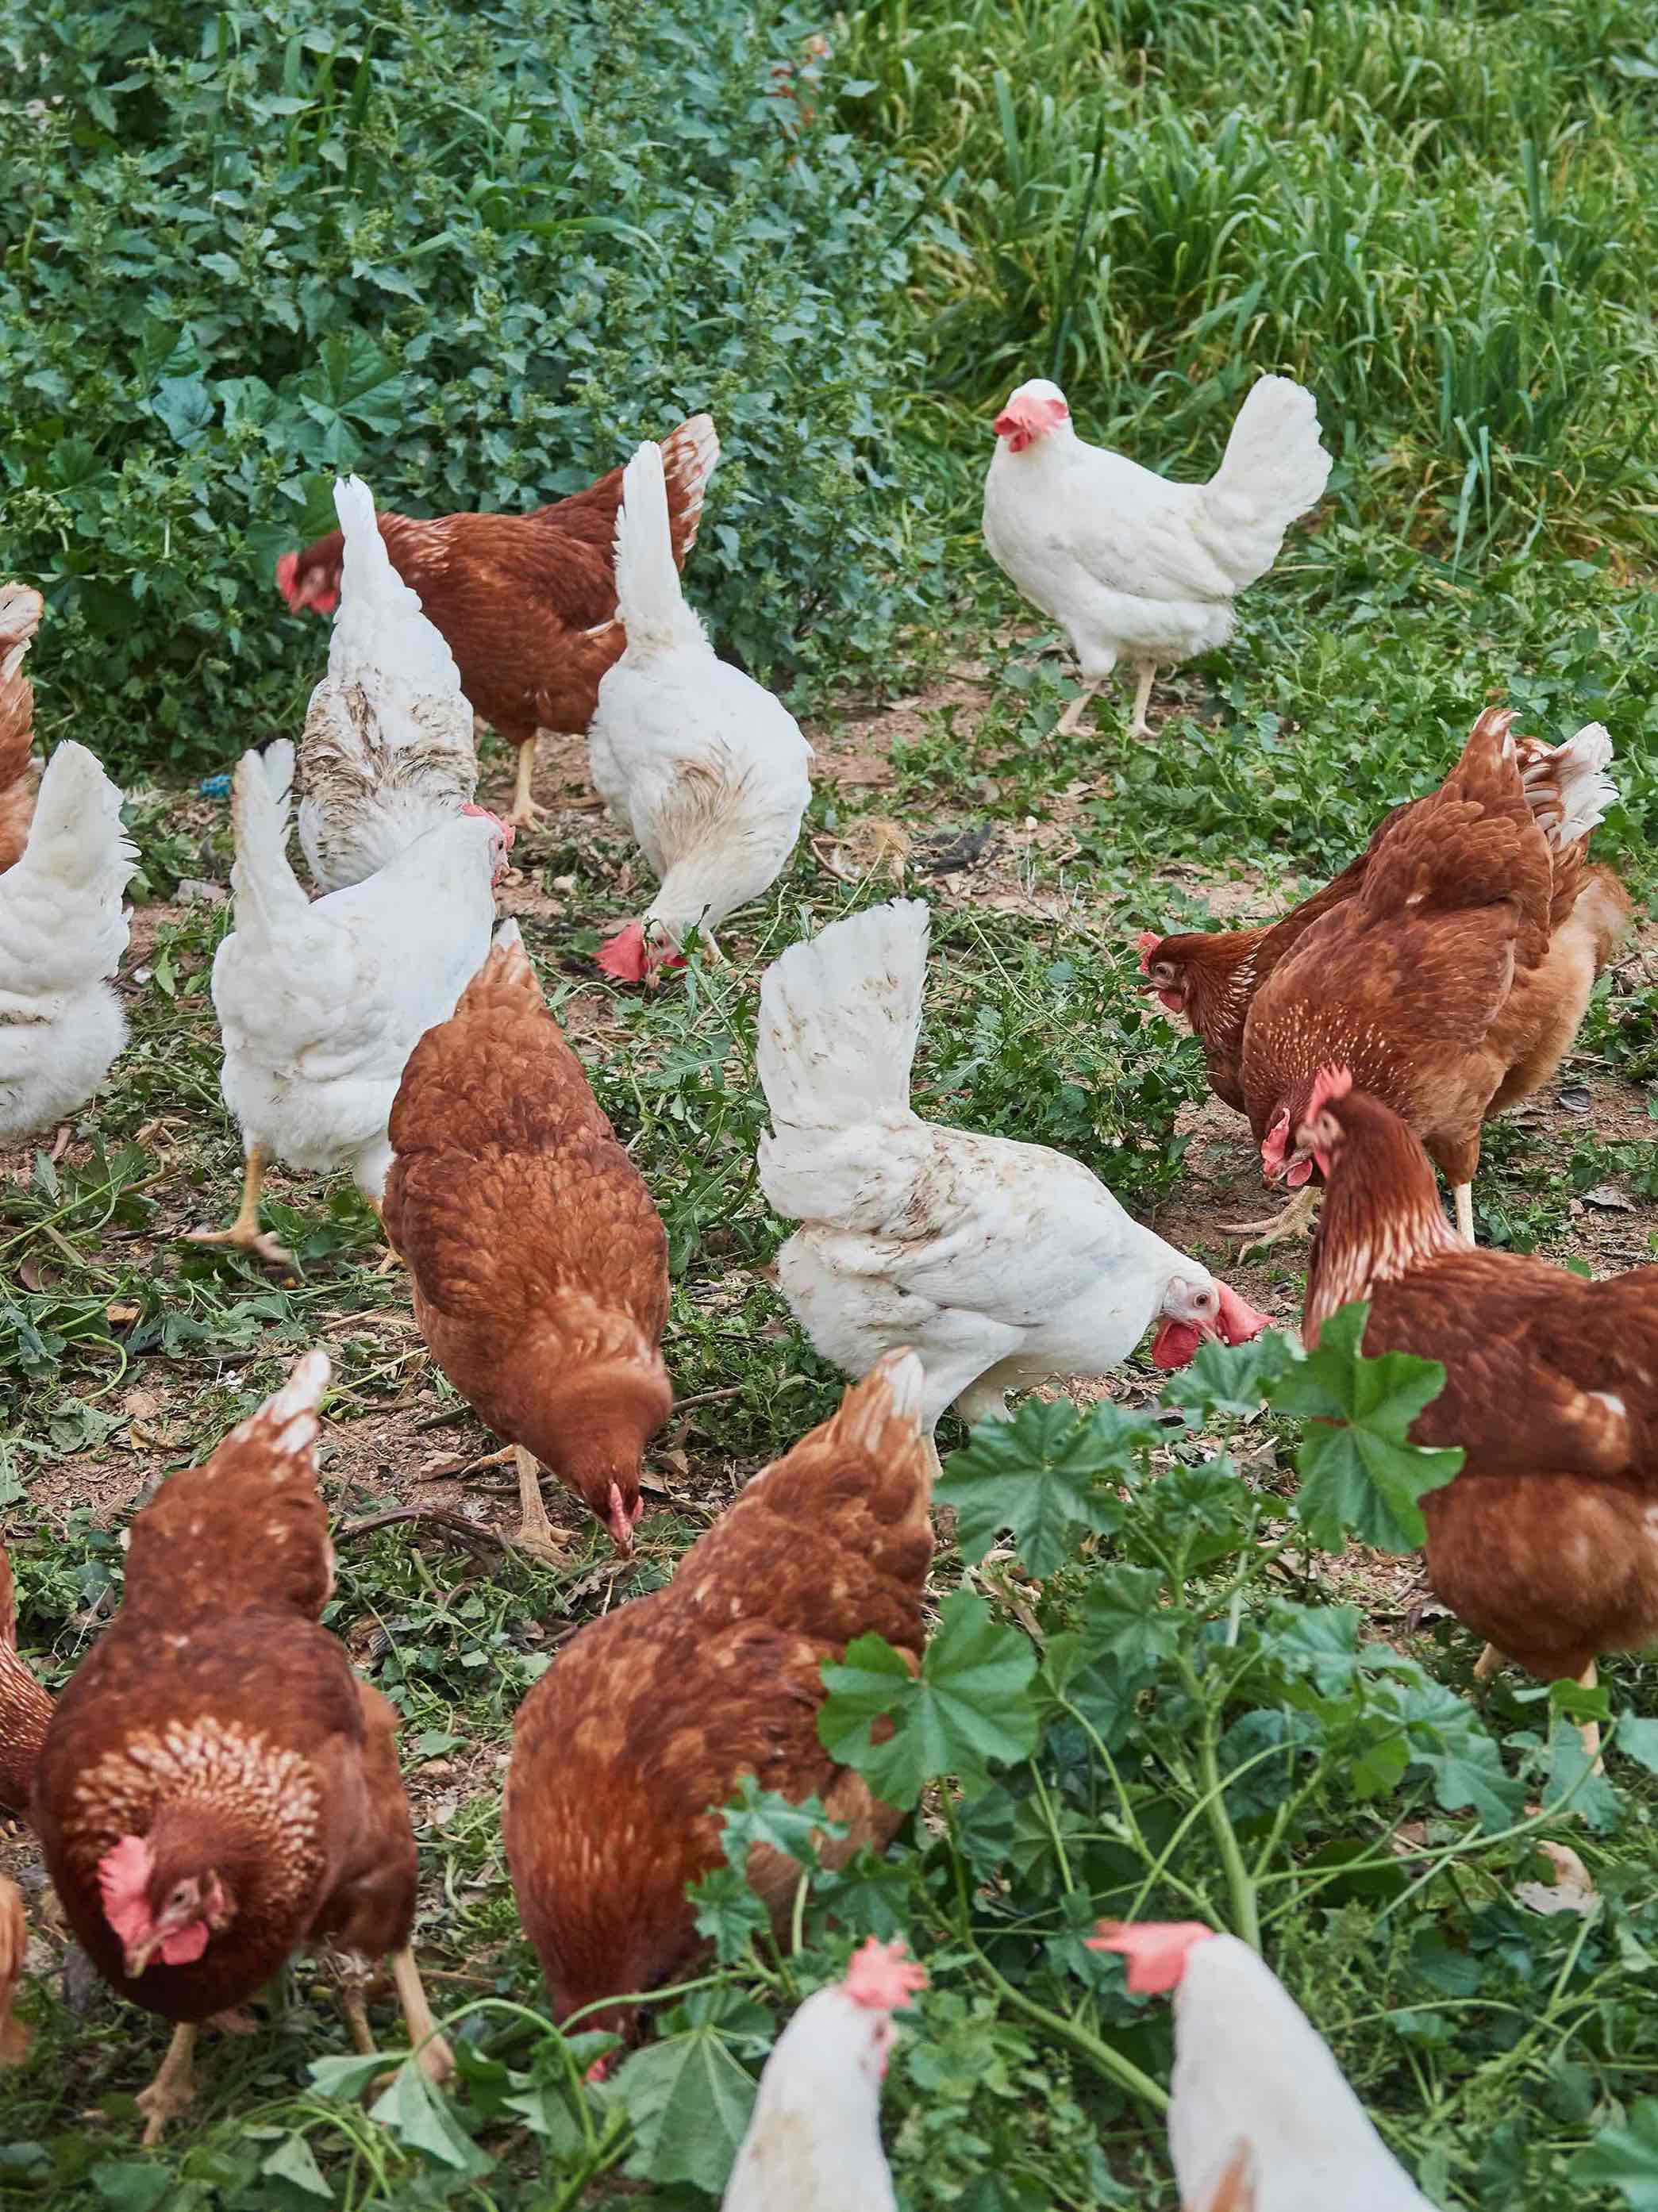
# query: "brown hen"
25,1708
527,603
1454,977
20,610
646,1721
539,1264
1546,1543
217,1788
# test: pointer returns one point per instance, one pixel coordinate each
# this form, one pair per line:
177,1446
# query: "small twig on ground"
470,1531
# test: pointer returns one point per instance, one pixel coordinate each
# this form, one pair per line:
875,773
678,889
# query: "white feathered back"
62,923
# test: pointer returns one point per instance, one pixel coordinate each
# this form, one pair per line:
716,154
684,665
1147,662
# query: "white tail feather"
1275,468
262,879
1567,786
63,897
379,624
839,1020
649,602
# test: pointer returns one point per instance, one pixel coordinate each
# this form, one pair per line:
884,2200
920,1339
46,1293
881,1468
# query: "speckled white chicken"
707,770
62,930
1135,568
386,753
1261,2117
814,2141
1004,1265
321,1004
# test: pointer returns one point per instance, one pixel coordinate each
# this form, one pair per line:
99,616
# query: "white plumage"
1250,2068
321,1004
386,752
706,769
62,930
1567,786
1003,1264
1131,566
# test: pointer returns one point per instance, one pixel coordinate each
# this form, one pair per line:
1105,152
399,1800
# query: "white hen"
386,753
1133,566
320,1004
62,930
1002,1264
1255,2089
814,2141
700,762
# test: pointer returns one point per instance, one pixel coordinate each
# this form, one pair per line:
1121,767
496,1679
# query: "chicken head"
316,587
1031,412
1199,1313
162,1903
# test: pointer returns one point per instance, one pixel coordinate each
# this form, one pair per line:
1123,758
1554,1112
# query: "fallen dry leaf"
1572,1889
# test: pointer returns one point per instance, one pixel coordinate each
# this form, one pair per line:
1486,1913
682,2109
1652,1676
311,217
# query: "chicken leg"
1590,1730
1071,721
1463,1195
432,2054
174,2089
536,1533
244,1233
525,814
1147,676
1294,1220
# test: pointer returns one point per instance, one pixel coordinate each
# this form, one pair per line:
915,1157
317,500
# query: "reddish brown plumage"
218,1722
1547,1542
14,1947
1451,979
20,616
538,1262
25,1708
525,603
650,1716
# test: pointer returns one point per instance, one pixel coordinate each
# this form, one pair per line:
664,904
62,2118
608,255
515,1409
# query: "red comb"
1144,943
882,1977
1155,1950
1329,1083
622,953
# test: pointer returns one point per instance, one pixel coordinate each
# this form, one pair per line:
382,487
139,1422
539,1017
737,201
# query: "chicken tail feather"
839,1020
379,624
263,880
1567,786
60,906
1275,468
649,601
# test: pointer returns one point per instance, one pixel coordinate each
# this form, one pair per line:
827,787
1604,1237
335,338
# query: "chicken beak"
617,1521
135,1957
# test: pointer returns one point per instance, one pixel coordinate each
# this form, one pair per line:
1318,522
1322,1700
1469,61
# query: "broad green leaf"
1638,1740
1572,1780
292,2162
1359,1476
728,1912
972,1703
690,2102
184,404
1124,1614
1229,1379
1625,2158
345,2078
129,2186
412,2111
1038,1476
757,1816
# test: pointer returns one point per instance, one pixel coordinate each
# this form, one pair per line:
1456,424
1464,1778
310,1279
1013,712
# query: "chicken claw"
1071,721
525,814
244,1233
1295,1221
537,1534
174,2089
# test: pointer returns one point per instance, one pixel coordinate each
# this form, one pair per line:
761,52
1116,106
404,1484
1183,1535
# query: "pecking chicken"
1546,1543
539,1264
647,1720
1129,564
705,767
20,610
1452,982
1211,977
386,753
814,2141
1004,1265
527,603
321,1004
1261,2117
62,930
217,1788
25,1708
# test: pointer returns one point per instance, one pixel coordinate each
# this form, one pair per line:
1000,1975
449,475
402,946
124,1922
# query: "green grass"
1443,219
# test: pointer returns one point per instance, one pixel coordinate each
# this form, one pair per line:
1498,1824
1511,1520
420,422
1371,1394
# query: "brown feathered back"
649,1718
25,1708
538,1263
20,610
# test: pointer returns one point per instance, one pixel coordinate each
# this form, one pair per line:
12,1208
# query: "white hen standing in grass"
1003,1264
62,930
321,1004
1260,2116
707,769
1131,566
814,2141
386,753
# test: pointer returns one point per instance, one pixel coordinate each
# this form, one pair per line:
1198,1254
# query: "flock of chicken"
216,1788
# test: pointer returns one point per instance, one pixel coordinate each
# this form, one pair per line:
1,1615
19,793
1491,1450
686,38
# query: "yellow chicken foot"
393,1258
244,1233
1590,1730
1463,1195
174,2089
525,814
1294,1220
536,1533
1487,1664
354,1975
1071,721
432,2054
1147,675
